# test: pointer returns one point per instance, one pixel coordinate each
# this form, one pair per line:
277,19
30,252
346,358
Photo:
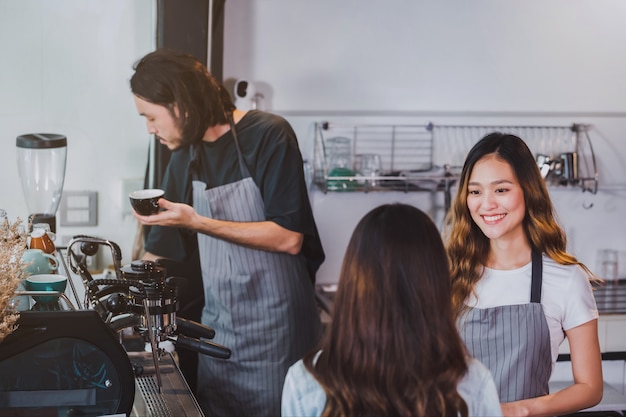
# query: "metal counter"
175,398
611,297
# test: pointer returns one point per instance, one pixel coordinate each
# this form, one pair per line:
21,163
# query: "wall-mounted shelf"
429,157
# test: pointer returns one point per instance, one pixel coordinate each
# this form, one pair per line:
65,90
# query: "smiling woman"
495,199
510,271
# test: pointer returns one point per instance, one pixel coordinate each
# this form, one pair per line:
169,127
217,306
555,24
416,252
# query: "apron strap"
245,172
536,277
195,163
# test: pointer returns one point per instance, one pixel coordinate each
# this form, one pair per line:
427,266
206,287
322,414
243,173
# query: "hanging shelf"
429,157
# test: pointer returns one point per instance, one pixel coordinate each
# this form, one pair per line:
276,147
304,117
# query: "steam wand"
153,343
92,290
89,247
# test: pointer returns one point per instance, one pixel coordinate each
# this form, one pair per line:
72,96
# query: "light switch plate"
79,208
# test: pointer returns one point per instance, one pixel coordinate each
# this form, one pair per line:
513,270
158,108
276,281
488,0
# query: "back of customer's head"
392,347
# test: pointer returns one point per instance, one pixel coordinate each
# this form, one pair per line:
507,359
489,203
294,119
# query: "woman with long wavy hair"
516,291
392,347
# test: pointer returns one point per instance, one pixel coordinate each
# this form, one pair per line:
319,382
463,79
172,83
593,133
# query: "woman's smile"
493,218
495,199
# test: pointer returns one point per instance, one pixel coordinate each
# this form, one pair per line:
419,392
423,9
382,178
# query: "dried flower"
12,247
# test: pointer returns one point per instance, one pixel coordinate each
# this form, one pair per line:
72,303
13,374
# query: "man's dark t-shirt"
270,150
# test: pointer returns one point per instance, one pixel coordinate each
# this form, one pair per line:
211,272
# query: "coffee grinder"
41,160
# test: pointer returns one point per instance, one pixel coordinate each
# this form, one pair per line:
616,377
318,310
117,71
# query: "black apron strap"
195,163
536,277
245,172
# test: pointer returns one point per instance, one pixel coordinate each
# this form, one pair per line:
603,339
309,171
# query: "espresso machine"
77,362
41,160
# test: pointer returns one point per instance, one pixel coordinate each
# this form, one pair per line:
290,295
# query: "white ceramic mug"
36,261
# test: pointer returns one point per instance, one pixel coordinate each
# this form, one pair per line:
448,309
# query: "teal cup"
36,262
46,282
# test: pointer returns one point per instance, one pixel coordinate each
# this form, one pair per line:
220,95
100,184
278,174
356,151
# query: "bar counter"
610,297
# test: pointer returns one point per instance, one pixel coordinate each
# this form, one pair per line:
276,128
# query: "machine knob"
89,248
117,303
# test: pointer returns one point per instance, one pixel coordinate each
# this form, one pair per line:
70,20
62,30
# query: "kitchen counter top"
175,397
610,297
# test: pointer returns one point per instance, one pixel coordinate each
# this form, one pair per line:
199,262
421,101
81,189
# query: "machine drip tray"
148,400
175,398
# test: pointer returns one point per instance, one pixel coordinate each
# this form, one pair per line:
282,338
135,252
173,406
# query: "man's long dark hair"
179,81
392,347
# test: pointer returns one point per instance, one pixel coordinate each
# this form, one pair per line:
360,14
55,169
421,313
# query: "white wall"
65,69
560,55
480,62
66,65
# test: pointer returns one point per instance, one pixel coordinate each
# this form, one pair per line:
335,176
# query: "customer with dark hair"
235,192
392,348
515,289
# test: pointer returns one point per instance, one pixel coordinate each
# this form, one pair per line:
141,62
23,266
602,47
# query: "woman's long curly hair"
392,347
468,247
178,81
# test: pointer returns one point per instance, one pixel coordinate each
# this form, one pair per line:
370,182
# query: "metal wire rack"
429,157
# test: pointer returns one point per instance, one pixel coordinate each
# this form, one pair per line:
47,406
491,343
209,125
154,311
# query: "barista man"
235,190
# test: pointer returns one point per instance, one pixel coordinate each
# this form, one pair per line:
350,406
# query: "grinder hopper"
41,159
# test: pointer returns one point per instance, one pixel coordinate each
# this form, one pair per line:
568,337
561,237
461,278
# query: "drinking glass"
369,166
339,153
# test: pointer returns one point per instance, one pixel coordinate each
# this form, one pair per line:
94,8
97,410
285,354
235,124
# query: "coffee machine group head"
41,160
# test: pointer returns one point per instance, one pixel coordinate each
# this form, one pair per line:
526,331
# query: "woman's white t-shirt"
566,295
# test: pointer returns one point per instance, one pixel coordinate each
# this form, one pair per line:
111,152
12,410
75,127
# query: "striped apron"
513,341
261,305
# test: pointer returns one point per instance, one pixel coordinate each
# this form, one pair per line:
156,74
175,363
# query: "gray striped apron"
261,305
513,341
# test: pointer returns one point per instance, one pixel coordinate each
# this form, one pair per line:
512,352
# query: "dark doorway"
195,27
